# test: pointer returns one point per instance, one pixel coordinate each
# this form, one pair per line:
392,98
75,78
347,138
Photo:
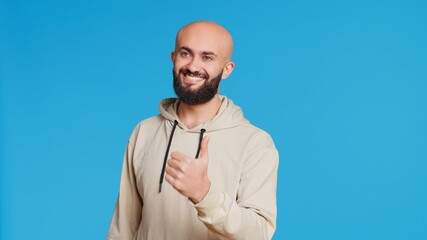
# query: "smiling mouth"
190,78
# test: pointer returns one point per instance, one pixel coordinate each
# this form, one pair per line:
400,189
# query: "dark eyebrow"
186,49
206,53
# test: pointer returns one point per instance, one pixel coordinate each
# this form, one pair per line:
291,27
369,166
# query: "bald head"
208,35
202,54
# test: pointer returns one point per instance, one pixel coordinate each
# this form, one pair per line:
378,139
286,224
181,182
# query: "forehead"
202,39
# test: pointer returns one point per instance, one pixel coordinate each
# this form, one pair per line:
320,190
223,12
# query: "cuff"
212,203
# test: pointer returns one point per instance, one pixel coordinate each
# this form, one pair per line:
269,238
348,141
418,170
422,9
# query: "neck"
193,115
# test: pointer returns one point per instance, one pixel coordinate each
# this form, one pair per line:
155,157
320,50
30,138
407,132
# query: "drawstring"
166,155
202,131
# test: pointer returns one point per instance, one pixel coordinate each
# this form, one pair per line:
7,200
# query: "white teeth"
193,78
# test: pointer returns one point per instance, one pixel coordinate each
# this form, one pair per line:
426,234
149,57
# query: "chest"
226,160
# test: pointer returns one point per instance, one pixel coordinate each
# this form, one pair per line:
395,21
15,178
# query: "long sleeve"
127,212
252,215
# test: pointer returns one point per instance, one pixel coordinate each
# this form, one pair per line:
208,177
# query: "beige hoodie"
241,203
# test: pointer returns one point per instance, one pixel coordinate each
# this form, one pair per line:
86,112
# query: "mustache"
195,74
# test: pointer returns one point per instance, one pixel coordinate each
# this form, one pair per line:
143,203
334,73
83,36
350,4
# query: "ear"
173,56
227,70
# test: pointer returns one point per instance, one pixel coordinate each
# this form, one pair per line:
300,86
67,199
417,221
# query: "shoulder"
145,127
150,122
259,145
257,135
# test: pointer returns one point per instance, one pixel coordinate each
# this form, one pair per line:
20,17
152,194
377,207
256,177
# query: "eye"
207,58
184,54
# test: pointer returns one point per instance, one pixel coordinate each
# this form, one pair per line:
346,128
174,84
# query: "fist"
189,176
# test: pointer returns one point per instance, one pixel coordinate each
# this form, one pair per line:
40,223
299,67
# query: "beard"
201,95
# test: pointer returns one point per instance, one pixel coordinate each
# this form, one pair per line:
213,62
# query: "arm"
127,213
249,215
253,214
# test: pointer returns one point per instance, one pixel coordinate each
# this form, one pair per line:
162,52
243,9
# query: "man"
218,186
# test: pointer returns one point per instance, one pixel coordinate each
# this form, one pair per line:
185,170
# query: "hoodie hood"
229,115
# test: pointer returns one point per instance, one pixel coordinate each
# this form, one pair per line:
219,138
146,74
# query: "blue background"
340,85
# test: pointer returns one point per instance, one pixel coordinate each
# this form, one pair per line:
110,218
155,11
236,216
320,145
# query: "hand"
188,175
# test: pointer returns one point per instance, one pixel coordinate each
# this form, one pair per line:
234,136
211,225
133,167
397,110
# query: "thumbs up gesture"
188,175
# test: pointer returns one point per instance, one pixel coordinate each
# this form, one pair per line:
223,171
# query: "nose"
194,65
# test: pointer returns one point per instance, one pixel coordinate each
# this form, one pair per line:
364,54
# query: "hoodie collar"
228,116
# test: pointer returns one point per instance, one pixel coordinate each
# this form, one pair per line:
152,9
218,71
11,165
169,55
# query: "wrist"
201,194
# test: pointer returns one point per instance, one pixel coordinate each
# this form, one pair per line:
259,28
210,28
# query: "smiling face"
201,60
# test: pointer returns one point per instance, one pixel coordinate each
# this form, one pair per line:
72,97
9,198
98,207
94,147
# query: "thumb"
204,147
